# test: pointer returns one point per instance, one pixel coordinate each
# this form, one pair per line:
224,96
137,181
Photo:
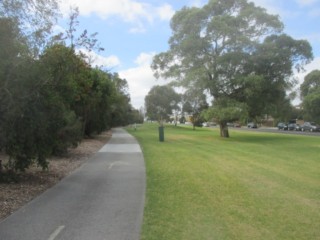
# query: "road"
102,200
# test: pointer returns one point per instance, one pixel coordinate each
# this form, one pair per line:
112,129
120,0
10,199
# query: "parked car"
298,127
282,126
252,125
310,126
292,126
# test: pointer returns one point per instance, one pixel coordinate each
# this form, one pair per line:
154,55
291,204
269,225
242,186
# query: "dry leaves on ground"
35,181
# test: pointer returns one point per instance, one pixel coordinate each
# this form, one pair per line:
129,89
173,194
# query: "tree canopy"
160,102
35,17
236,52
50,96
310,94
194,102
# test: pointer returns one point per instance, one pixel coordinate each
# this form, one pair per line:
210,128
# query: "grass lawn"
250,186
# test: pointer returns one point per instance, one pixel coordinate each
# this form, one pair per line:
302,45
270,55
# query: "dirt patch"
34,181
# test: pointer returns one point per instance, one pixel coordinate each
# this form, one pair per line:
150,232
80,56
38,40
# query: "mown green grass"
250,186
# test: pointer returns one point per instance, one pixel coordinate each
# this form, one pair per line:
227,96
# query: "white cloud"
131,11
58,29
128,10
165,12
140,79
144,59
95,59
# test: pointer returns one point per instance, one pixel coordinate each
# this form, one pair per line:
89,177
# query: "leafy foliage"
225,110
35,17
121,108
310,93
50,102
311,83
160,102
236,52
194,103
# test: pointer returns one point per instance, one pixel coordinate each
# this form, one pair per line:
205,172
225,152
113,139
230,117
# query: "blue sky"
133,31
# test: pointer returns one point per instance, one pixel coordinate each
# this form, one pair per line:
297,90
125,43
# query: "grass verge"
250,186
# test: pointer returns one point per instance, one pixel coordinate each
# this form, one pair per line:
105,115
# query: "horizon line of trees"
164,104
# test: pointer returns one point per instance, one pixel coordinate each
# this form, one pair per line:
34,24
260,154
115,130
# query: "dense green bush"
49,103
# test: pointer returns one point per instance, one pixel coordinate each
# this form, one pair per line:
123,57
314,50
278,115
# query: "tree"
99,102
282,110
160,102
13,53
311,84
50,100
70,77
35,17
83,40
41,120
194,103
310,94
52,103
121,107
236,52
225,110
272,64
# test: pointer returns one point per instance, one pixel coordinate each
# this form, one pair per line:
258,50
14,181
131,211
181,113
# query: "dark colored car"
252,125
282,126
309,126
293,127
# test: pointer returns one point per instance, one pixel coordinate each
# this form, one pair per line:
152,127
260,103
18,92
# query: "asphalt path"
102,200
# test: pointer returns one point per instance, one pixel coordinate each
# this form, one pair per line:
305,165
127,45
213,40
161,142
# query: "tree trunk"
224,132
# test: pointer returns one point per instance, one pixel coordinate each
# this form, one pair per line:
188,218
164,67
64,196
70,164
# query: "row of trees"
163,103
50,96
235,52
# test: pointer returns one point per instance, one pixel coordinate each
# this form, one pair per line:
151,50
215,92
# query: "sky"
133,31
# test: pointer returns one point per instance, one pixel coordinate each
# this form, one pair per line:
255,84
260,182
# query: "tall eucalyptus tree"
236,52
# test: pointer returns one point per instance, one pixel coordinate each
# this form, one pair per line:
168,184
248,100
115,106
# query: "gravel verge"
34,181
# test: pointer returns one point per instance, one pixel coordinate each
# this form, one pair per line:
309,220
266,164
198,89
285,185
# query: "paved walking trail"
102,200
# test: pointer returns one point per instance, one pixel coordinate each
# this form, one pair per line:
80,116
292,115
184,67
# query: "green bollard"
161,133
